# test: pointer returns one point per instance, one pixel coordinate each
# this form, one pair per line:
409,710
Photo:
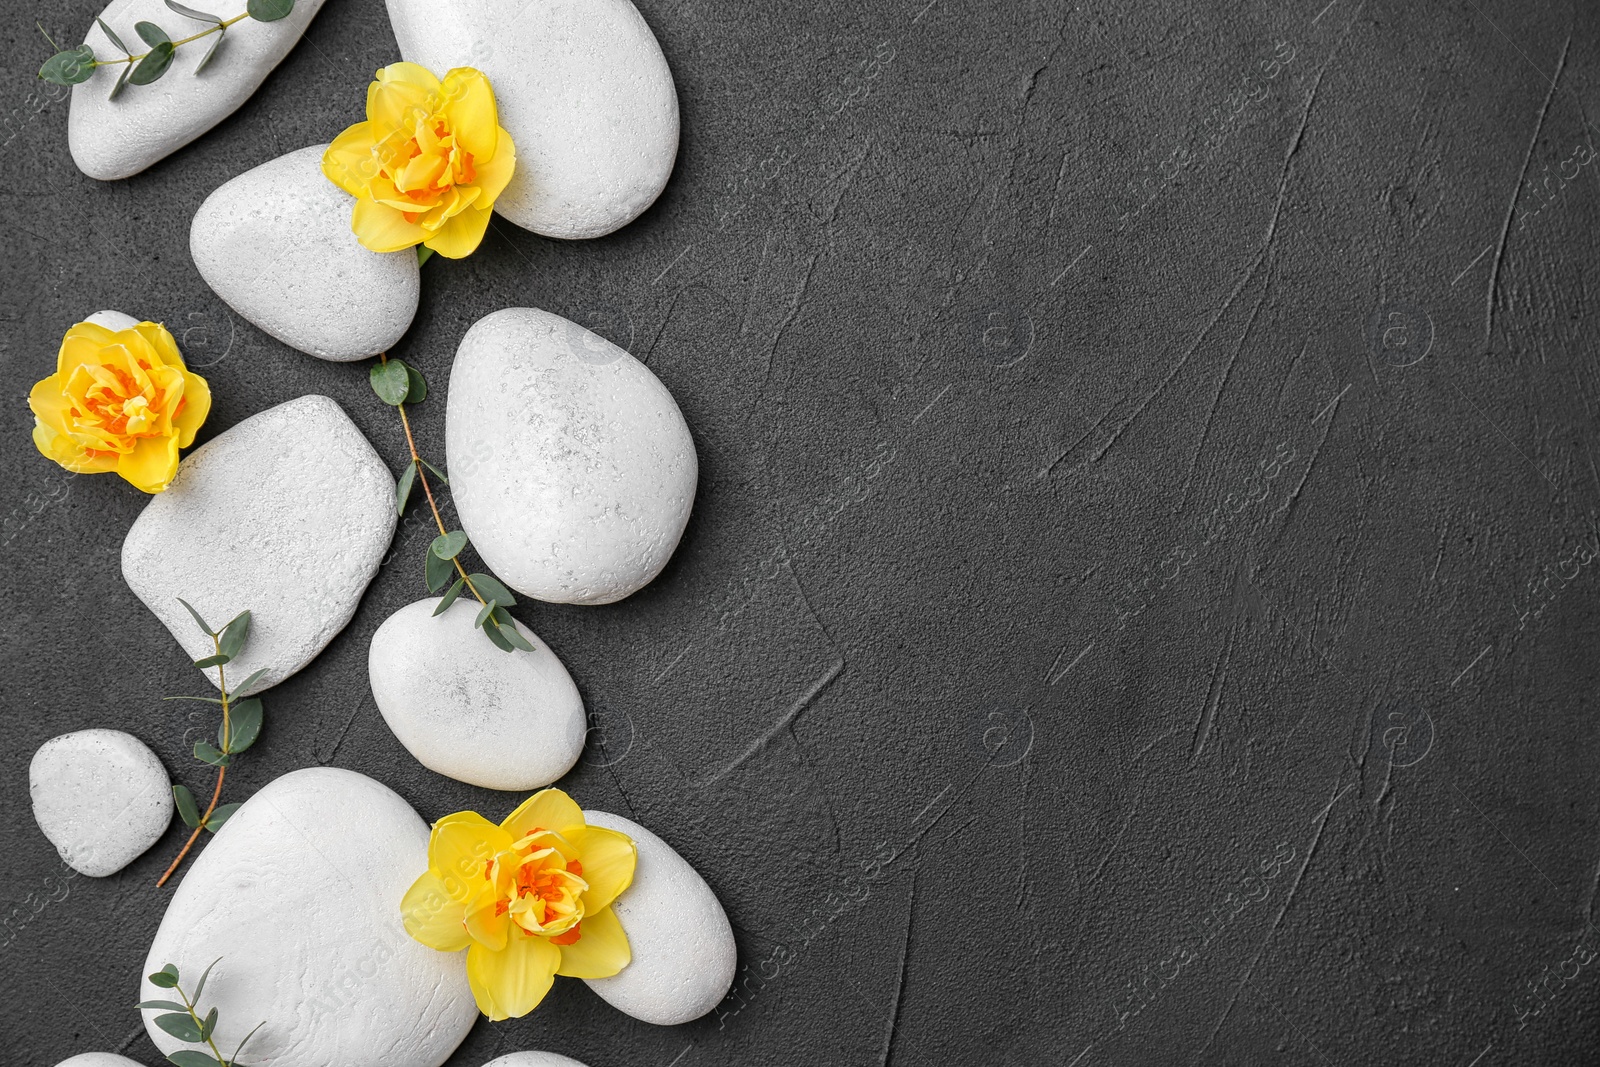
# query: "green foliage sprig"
74,65
397,384
184,1022
240,726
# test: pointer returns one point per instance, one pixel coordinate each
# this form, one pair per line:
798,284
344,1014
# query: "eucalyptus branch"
74,65
185,1023
397,384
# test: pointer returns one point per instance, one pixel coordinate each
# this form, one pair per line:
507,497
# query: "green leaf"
166,977
164,1005
210,1025
424,253
153,65
70,67
390,381
200,986
213,661
189,12
211,49
450,597
269,10
488,585
122,79
179,1026
204,627
244,686
449,546
206,752
402,489
112,35
498,637
219,815
208,700
485,613
234,634
235,1057
437,473
186,805
152,34
510,632
245,720
190,1058
438,572
417,387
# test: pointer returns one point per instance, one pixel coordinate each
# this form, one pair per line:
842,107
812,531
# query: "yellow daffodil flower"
120,400
528,899
427,165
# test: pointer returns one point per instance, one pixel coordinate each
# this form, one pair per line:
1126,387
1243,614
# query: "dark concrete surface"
1139,606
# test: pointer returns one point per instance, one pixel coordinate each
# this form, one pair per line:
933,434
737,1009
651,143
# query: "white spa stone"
468,710
276,244
101,797
286,515
117,138
583,90
99,1059
534,1059
683,951
299,895
571,466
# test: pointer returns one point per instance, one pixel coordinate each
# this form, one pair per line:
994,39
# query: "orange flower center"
539,883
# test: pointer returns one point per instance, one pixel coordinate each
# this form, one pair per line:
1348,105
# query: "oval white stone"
286,515
683,951
571,466
101,797
276,244
534,1059
99,1059
468,710
112,139
583,90
299,895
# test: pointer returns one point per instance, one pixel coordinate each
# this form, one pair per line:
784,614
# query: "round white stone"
298,898
583,90
276,244
99,1059
571,466
101,797
112,139
683,951
468,710
534,1059
286,515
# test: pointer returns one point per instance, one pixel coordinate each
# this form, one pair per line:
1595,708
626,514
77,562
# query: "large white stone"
298,898
101,797
534,1059
683,951
583,90
468,710
99,1059
276,244
117,138
286,515
570,464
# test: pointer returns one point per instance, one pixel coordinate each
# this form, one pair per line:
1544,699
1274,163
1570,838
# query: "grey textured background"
1140,603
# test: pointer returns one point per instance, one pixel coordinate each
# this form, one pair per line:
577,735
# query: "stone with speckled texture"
298,899
534,1059
276,244
99,1059
286,515
572,468
101,797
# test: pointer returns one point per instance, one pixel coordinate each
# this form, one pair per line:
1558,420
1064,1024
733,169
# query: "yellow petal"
494,174
608,859
82,345
196,406
393,102
382,228
459,850
60,448
548,809
601,950
49,403
348,161
432,917
470,111
460,236
161,344
404,73
486,924
511,983
151,464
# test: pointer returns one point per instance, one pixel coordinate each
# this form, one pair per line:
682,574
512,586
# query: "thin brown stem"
216,794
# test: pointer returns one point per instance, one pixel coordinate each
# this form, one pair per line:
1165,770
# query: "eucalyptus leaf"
213,661
235,1057
180,1026
153,65
486,613
70,67
402,489
200,986
164,979
208,700
417,390
211,49
112,35
187,809
391,381
190,1058
489,586
438,572
269,10
244,721
201,16
510,632
205,627
219,815
151,34
208,1027
437,473
244,686
122,79
164,1005
449,545
498,638
234,634
450,597
206,752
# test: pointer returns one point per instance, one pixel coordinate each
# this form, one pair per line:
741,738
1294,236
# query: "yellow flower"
120,400
427,165
528,899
